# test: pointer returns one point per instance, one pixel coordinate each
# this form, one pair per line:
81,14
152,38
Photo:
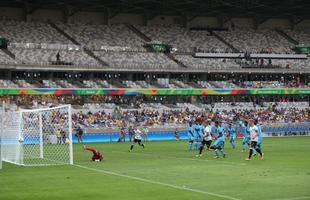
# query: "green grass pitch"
167,170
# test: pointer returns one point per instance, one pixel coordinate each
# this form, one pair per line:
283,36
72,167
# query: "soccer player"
232,136
207,137
97,156
190,133
197,135
137,137
260,135
145,133
246,137
254,139
220,140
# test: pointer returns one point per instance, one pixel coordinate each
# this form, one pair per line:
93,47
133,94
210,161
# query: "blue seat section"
114,136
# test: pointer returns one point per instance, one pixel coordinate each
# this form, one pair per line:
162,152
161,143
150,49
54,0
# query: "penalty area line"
296,198
157,183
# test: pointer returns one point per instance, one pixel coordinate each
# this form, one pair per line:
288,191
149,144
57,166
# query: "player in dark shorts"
137,138
207,138
254,132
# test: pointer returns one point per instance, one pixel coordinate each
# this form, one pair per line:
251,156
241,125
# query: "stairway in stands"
145,38
9,53
286,36
224,41
138,33
86,50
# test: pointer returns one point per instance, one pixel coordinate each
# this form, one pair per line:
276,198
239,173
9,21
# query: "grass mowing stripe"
157,183
181,158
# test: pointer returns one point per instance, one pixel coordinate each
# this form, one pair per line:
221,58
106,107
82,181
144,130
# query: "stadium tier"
138,84
123,46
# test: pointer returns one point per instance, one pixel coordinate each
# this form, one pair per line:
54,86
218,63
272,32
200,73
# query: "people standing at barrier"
145,134
64,136
122,135
177,134
130,132
79,134
58,136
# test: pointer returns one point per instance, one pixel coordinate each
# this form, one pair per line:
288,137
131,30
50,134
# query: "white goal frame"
38,137
1,131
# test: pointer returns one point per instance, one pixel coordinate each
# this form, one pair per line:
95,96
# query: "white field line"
158,183
295,198
180,158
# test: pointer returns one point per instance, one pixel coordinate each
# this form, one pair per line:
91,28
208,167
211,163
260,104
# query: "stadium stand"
48,56
257,41
161,83
207,63
30,32
185,41
302,36
136,60
100,37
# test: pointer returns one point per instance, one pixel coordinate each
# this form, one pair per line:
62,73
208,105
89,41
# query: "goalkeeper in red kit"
97,156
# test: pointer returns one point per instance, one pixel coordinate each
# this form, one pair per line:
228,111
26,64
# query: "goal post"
1,130
38,137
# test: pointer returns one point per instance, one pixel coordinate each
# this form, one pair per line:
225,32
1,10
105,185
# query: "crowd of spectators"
155,118
168,83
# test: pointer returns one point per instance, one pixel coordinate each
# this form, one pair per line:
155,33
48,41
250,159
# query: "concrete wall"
204,22
12,13
88,17
240,23
46,14
165,20
275,23
128,19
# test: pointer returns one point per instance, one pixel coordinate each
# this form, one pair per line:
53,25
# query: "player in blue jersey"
190,133
232,136
246,137
197,135
260,135
220,140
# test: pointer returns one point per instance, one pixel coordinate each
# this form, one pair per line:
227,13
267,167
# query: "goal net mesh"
38,137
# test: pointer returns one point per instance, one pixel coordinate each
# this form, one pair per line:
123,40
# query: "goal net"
38,137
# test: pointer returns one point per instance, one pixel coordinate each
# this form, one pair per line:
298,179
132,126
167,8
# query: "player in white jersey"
137,138
207,137
254,138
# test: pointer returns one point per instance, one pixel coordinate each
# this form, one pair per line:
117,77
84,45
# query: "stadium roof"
190,8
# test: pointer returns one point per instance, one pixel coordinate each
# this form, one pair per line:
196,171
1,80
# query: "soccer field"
167,170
